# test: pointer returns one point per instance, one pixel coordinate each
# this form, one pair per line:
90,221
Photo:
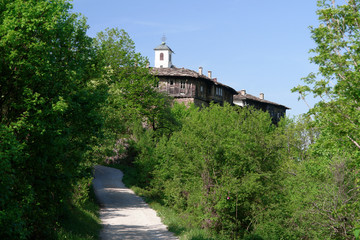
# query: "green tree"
334,159
319,195
133,99
15,195
47,112
220,169
337,81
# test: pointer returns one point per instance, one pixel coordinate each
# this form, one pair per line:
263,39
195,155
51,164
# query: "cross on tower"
163,38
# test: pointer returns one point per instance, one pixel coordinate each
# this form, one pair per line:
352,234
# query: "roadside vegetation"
69,101
49,114
81,220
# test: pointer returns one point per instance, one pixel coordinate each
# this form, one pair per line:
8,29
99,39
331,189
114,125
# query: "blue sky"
256,45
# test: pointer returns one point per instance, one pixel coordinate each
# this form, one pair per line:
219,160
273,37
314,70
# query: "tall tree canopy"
133,98
218,170
47,113
337,82
334,160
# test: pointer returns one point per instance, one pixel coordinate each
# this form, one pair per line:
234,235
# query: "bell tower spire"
163,55
163,39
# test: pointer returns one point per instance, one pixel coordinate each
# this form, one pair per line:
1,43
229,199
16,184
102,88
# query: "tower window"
161,56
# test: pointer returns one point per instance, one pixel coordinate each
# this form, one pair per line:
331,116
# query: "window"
201,89
170,58
182,84
219,91
161,56
171,82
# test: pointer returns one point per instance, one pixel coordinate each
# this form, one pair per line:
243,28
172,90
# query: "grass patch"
81,221
179,224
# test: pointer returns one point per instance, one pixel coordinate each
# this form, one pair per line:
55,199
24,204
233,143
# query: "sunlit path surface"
123,214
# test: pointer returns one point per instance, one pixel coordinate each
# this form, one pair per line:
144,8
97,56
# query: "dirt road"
123,214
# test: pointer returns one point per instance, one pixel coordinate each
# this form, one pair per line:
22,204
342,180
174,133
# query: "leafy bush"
219,167
48,113
16,195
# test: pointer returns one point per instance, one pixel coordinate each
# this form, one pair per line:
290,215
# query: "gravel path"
123,214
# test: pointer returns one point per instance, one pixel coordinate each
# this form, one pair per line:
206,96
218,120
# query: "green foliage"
48,113
179,224
81,220
333,165
15,195
337,82
231,172
357,234
222,172
318,197
217,167
133,100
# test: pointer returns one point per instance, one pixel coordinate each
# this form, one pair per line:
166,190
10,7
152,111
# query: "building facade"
188,86
276,111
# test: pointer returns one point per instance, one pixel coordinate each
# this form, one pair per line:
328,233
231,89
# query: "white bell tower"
163,55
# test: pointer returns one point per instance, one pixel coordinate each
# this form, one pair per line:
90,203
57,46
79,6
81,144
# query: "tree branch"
354,142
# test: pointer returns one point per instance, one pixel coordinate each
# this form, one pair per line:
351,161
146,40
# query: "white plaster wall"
165,63
240,103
